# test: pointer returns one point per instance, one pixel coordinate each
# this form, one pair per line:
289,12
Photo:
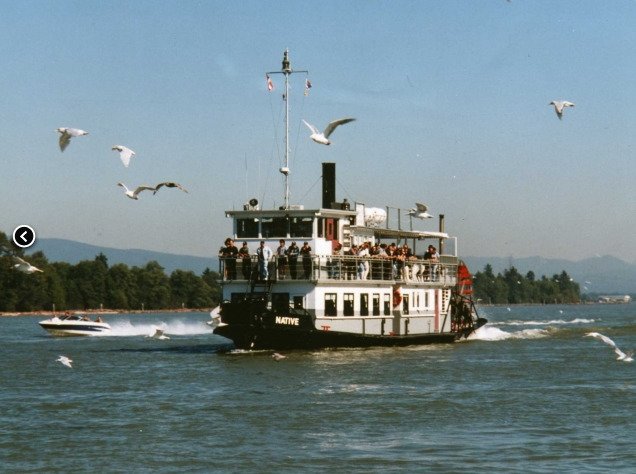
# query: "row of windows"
274,227
377,306
380,303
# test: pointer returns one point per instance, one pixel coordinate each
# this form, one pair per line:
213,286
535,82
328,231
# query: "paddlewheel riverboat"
352,289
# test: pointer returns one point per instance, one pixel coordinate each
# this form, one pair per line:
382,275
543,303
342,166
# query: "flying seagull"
278,357
559,106
67,134
135,194
620,354
125,154
420,211
24,266
215,321
323,137
65,360
169,184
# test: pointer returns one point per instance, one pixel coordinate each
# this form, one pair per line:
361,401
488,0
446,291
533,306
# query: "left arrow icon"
24,236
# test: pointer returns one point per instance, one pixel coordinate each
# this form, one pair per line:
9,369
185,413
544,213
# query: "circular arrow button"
24,236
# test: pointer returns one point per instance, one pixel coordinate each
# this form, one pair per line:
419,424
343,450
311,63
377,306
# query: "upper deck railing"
342,268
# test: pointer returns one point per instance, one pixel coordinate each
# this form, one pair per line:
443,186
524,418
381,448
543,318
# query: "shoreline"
15,314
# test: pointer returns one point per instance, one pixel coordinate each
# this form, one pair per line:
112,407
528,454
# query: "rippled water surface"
529,393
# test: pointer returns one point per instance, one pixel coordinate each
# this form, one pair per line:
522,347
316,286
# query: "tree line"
94,284
510,287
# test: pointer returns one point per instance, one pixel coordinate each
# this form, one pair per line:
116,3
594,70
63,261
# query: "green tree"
189,290
154,286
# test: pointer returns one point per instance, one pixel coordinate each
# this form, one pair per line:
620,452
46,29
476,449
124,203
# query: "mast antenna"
287,71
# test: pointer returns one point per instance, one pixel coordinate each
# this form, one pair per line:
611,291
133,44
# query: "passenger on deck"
281,259
363,265
349,263
305,252
292,256
432,257
334,262
264,255
228,255
391,252
246,261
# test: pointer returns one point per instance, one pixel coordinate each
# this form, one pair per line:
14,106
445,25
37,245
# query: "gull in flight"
135,194
158,334
419,211
125,154
215,320
625,357
24,266
169,184
323,137
559,106
65,360
67,134
278,357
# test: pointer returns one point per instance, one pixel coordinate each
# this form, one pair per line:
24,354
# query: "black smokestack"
328,185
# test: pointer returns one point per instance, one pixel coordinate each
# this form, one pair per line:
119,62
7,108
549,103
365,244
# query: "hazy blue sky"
451,99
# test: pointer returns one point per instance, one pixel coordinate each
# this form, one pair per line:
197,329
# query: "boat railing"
342,268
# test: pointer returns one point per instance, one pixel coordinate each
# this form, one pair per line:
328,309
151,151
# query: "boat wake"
489,333
553,322
172,328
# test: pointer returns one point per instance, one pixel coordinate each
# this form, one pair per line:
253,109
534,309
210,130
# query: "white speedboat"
75,325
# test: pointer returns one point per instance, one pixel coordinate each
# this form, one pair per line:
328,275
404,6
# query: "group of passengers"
285,258
385,261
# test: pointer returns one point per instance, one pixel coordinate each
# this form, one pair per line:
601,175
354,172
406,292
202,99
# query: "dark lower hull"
246,337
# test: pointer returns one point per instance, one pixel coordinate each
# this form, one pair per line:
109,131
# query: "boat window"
364,304
405,304
280,303
376,304
274,227
331,300
301,226
387,304
348,304
246,228
426,299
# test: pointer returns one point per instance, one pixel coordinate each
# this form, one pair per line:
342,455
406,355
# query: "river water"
529,393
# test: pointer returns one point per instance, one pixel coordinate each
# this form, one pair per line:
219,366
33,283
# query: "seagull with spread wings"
24,266
135,194
67,133
420,211
125,154
625,357
65,360
169,184
559,106
323,137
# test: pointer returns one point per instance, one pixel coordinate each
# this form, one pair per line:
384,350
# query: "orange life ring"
397,297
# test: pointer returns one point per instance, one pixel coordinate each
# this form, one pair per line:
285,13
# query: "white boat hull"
74,327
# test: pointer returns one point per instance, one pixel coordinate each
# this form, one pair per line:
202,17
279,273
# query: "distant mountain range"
604,275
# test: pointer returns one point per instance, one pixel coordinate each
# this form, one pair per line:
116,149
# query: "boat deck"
345,269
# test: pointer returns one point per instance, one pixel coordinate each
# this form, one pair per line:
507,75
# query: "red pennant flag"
270,84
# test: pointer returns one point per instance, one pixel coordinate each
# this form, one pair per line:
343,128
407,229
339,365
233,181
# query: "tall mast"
287,71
